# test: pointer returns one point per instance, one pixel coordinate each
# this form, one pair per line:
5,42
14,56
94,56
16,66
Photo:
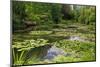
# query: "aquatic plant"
20,49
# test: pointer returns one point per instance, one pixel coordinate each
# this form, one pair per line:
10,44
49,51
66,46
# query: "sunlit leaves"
40,32
78,50
28,44
75,45
85,14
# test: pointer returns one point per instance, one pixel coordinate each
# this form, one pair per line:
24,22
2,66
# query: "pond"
45,52
50,51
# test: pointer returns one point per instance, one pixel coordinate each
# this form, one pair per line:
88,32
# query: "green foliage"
28,44
75,45
50,14
18,15
20,50
18,59
52,29
79,51
56,13
85,15
29,11
40,32
38,13
60,59
88,55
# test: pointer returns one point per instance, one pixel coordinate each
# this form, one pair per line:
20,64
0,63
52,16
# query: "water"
76,38
53,52
45,52
49,51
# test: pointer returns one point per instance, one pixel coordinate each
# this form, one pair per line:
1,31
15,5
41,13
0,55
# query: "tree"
18,15
56,13
66,11
84,14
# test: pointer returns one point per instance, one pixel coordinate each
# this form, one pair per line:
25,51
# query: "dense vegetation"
39,25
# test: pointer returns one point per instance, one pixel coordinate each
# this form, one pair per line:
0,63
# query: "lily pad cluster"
28,44
75,45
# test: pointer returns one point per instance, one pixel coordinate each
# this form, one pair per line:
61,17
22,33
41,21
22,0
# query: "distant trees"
56,13
66,11
85,14
42,13
18,10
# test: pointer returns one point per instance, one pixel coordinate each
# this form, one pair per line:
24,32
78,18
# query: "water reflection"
53,52
49,51
76,38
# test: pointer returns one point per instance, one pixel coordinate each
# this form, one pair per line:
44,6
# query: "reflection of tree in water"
53,52
44,52
38,52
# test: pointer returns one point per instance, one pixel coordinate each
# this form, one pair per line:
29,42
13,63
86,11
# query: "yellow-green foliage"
83,51
28,44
